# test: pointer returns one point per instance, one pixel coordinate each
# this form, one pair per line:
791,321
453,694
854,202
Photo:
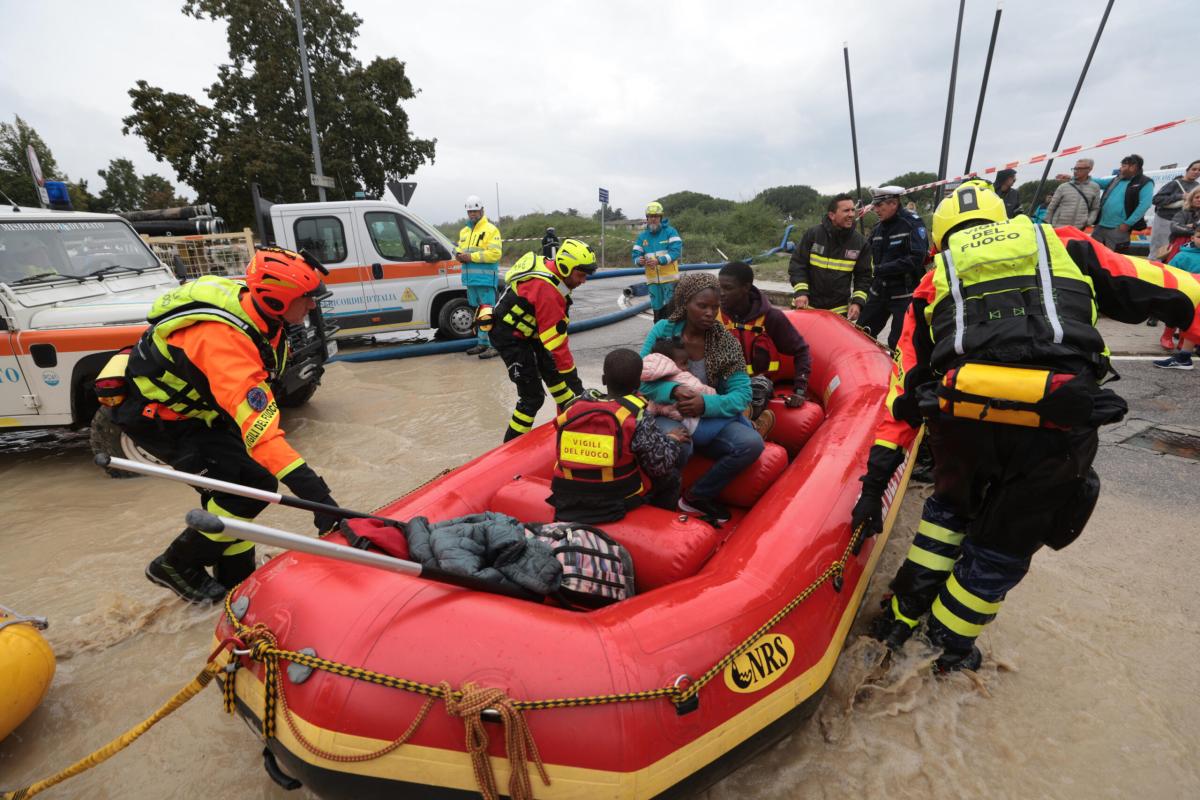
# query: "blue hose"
459,345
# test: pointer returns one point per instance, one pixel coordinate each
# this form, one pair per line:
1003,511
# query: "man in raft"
529,328
1006,377
200,399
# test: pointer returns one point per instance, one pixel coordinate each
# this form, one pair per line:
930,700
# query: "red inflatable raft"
657,695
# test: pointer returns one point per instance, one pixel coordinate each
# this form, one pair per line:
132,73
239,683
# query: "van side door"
404,281
329,235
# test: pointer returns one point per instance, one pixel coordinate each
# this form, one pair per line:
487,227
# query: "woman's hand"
689,403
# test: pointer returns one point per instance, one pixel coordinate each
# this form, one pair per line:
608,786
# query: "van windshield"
73,249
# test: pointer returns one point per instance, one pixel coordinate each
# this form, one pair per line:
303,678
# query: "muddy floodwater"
1088,690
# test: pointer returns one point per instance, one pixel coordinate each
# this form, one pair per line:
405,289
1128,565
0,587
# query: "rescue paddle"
105,460
207,522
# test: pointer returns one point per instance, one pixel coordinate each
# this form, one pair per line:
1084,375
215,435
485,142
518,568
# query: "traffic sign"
604,195
322,180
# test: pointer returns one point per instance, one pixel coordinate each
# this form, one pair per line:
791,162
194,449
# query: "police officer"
479,250
529,328
200,399
898,249
658,249
1000,358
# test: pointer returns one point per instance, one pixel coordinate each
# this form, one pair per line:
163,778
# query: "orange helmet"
277,277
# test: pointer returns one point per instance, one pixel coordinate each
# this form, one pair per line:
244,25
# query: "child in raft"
668,361
611,457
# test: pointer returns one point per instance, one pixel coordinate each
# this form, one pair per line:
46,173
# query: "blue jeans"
734,448
481,296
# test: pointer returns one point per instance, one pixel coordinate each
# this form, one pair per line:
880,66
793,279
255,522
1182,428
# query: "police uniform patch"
256,398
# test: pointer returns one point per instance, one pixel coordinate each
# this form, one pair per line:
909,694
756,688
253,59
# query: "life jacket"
516,311
1009,293
753,338
595,447
163,374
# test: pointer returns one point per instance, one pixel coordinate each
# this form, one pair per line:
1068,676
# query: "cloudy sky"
552,100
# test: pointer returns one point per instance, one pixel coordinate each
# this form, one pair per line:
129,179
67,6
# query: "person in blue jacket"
724,434
1124,202
657,250
1187,259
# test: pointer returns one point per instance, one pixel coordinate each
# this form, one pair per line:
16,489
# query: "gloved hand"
308,485
794,400
868,511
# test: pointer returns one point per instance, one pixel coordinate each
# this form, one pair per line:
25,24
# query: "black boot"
955,661
888,629
181,567
232,570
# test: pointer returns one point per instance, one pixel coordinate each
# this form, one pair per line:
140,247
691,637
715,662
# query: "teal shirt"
1112,213
733,391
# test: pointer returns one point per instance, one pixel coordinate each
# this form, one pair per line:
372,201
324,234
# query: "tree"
158,192
255,127
15,179
679,202
611,215
798,200
122,186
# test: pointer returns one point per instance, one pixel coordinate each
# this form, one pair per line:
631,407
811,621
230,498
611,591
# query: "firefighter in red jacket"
199,398
529,328
1006,376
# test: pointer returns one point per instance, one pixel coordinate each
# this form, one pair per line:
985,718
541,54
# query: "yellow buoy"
26,668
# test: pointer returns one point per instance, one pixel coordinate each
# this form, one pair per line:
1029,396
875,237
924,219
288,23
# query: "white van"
389,270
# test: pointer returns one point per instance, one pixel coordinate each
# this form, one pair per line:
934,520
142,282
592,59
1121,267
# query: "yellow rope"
122,741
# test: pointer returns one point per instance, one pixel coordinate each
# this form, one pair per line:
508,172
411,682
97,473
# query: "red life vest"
595,446
753,338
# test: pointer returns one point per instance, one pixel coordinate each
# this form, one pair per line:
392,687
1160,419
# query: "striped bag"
597,570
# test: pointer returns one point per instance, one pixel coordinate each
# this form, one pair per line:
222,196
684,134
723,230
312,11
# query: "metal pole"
1071,106
602,207
945,157
987,69
853,134
497,200
312,114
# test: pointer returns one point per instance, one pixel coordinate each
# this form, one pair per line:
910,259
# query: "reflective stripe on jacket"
667,249
752,336
483,243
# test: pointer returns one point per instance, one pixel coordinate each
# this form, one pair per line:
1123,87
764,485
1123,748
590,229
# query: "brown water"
1085,693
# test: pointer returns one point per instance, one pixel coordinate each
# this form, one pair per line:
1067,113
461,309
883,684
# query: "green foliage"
1026,191
15,179
610,215
797,200
254,126
679,202
122,187
158,192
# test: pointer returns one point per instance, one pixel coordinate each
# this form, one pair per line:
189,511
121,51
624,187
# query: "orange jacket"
239,383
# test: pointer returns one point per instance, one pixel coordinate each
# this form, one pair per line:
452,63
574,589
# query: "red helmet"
277,277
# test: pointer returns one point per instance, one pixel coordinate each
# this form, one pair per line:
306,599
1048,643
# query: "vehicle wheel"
456,320
106,437
297,398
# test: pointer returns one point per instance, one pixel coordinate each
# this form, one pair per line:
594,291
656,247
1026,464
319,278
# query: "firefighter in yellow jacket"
200,399
1000,358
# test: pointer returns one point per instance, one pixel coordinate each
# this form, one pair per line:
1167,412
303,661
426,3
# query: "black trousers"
880,307
529,366
1001,492
217,452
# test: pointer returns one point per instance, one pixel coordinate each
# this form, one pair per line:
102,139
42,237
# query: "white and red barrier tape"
1066,151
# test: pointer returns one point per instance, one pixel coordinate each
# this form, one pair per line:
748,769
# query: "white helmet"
474,203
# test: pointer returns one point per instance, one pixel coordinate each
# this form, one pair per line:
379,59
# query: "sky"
550,100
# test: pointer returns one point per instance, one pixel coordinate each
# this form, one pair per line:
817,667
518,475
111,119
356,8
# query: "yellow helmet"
973,200
654,207
483,318
572,255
